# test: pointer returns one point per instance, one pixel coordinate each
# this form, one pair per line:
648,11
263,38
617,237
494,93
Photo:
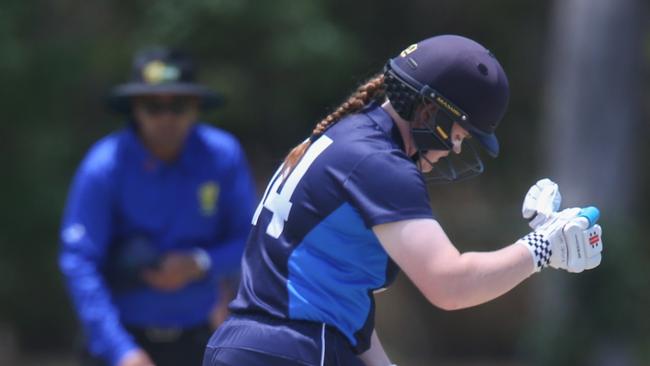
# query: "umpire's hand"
175,270
136,357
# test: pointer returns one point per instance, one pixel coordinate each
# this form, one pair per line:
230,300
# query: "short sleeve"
386,187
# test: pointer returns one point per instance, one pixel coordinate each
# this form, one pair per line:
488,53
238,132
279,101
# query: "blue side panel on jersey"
332,270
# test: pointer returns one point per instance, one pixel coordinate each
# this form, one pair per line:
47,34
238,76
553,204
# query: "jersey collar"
151,163
377,114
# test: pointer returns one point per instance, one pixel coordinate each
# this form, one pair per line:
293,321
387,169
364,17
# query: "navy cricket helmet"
461,77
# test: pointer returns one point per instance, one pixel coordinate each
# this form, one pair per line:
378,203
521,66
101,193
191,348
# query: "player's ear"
424,113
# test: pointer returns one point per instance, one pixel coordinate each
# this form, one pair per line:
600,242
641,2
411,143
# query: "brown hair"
370,90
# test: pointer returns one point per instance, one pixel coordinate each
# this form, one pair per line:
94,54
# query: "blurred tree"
591,129
285,64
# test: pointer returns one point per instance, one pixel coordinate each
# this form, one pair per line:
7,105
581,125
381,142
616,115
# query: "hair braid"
373,89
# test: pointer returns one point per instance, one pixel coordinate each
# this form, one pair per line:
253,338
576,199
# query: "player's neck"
166,152
403,126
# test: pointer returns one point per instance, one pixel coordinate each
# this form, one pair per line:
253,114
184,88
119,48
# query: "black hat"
161,71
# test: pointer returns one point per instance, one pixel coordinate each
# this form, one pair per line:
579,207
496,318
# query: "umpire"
155,221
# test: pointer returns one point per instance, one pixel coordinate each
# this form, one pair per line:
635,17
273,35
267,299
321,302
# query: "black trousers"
165,346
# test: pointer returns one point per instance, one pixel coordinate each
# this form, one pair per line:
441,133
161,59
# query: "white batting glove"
567,241
542,200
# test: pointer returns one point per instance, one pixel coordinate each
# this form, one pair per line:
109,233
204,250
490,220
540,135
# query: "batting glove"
569,240
542,200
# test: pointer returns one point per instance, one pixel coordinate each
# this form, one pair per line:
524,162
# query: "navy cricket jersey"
311,253
204,199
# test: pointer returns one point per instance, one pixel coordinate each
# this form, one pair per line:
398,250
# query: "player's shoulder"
369,131
102,157
368,154
391,166
359,137
216,140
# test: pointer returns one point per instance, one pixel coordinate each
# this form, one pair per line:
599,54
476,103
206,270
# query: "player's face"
164,120
428,158
458,135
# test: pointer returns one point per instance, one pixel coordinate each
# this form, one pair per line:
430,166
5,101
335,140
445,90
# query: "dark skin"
164,132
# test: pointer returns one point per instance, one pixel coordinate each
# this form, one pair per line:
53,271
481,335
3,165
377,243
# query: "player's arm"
375,356
447,278
569,240
84,237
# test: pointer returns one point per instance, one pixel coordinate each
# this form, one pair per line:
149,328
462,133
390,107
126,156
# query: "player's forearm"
92,302
449,279
478,277
375,356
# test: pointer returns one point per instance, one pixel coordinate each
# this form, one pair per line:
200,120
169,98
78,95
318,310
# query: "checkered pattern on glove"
547,243
540,248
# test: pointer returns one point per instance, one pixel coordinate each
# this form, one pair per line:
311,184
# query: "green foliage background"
283,65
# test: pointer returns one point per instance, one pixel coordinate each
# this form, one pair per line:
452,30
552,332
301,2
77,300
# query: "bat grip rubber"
591,213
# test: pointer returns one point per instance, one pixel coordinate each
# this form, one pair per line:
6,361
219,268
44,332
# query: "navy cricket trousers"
259,340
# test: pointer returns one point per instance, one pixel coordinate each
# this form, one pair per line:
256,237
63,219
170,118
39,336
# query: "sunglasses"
176,106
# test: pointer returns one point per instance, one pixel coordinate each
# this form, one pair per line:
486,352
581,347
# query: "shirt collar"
379,115
150,162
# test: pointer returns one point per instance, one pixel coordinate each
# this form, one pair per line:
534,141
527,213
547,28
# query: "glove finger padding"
593,237
585,246
567,241
542,200
594,247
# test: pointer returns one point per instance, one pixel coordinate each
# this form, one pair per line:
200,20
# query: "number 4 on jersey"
280,202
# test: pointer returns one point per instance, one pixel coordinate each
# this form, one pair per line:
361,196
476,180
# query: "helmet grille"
403,98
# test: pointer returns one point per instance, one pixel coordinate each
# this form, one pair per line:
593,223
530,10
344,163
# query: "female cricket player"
349,207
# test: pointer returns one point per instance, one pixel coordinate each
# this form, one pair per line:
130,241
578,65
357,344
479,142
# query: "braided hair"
373,89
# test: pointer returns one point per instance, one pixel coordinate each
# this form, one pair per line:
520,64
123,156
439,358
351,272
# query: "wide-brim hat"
162,71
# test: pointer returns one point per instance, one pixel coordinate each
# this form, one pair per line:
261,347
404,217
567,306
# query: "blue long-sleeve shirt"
204,200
